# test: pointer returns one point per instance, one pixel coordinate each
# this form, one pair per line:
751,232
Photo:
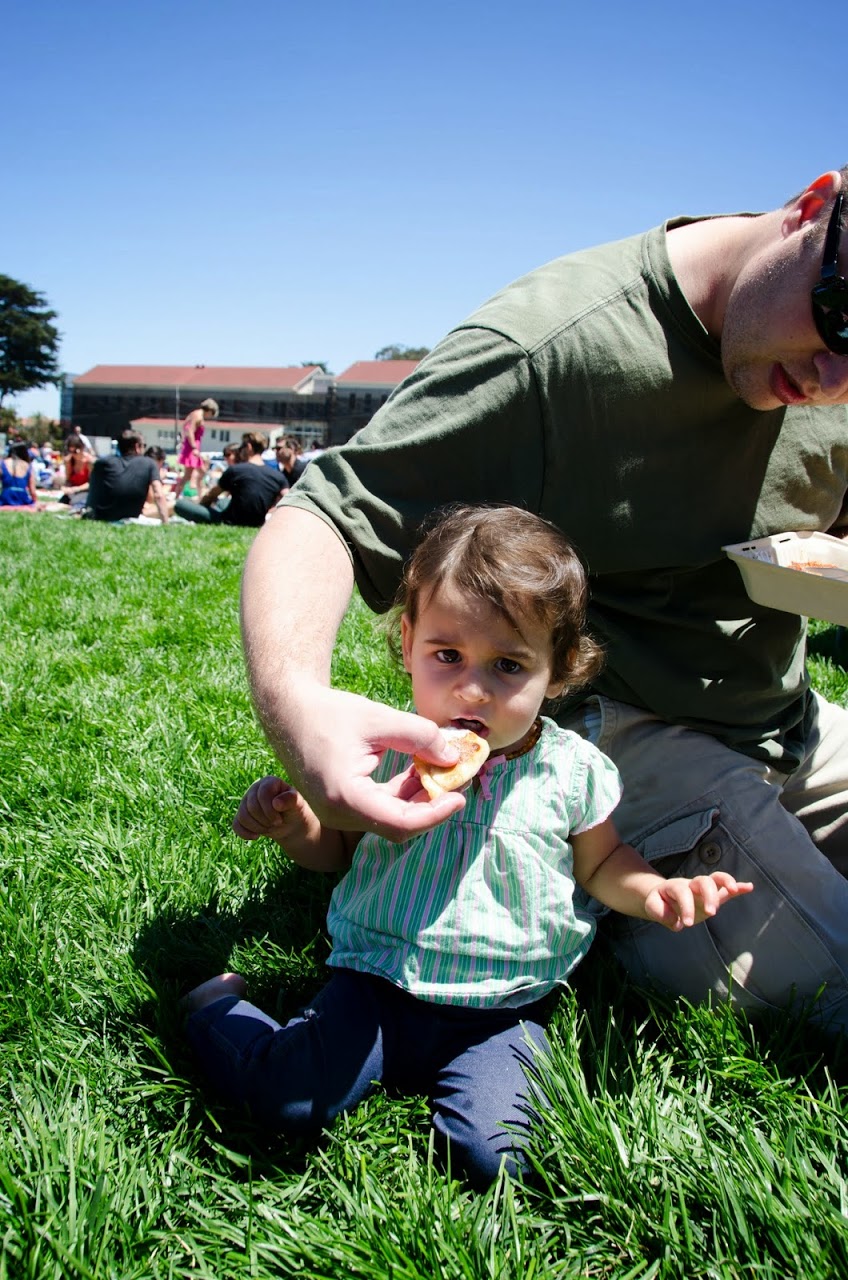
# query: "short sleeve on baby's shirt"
597,791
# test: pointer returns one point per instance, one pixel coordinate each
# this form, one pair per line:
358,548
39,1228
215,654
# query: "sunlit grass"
678,1142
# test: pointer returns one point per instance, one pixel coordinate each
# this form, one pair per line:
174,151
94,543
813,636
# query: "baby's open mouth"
475,726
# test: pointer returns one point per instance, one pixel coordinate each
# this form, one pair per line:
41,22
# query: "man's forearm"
295,590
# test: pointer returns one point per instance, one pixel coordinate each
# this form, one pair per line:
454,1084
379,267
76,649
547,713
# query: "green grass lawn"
680,1143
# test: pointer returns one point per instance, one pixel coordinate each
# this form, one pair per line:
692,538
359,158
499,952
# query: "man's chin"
750,384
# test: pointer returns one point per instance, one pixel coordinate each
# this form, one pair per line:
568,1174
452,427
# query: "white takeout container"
767,568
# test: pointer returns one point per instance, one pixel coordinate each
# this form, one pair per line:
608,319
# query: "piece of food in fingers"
437,779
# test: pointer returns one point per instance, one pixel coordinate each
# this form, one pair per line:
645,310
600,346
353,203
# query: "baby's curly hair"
517,563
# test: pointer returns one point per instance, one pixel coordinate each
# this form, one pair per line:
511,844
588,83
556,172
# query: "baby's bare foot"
225,984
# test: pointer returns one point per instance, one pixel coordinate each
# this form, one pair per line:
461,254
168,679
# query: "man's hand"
340,741
330,741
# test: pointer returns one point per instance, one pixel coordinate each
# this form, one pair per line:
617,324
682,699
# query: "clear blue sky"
263,182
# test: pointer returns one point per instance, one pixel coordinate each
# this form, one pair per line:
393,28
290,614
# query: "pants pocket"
760,951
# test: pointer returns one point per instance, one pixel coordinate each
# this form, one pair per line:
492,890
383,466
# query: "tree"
8,420
29,340
396,352
307,364
42,430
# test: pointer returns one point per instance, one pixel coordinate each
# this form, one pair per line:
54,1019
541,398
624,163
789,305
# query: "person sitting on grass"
77,475
230,455
119,486
253,489
287,453
160,457
448,949
17,481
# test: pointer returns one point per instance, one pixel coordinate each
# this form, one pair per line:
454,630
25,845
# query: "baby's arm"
272,808
620,878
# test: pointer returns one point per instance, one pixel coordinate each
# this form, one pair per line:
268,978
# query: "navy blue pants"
359,1030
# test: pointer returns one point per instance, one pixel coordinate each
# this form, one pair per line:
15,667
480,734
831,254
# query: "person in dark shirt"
253,490
119,486
289,461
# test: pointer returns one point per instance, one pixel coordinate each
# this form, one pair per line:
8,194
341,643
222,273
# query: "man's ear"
808,206
405,640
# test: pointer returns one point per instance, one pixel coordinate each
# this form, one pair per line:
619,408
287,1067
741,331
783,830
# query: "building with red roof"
360,391
302,399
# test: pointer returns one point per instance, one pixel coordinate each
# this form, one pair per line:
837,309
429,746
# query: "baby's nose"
473,689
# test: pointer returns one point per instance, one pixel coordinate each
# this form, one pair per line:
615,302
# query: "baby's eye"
447,655
508,665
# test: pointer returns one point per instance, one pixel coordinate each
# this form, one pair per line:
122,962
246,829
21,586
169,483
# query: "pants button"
710,853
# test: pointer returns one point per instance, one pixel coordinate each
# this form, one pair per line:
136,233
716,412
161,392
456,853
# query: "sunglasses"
830,295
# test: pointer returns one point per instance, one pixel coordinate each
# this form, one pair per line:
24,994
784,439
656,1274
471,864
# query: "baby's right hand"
271,808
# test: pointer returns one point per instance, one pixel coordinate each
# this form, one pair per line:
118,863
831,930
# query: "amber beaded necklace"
533,736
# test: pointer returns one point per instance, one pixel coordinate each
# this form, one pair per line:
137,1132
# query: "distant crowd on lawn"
240,486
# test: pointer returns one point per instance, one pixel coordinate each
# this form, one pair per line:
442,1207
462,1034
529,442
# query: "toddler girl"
447,948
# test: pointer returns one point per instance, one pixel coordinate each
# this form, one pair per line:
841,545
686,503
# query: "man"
76,436
289,460
672,393
119,486
253,490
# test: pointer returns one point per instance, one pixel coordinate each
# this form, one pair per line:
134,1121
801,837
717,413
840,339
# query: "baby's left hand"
679,903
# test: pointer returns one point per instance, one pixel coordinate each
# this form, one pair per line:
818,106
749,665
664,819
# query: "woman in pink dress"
189,457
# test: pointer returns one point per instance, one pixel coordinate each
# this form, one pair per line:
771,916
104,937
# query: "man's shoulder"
139,462
562,292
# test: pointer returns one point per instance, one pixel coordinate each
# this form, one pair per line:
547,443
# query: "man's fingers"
399,818
417,736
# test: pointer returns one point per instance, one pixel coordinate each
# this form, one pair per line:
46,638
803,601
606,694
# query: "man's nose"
833,375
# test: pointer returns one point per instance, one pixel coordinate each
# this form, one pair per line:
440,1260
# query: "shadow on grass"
277,939
280,929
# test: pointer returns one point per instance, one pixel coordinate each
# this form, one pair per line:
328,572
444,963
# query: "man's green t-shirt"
589,392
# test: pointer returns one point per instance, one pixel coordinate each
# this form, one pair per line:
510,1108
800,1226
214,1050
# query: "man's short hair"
128,442
257,442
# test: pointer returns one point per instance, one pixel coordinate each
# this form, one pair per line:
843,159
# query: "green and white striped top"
481,910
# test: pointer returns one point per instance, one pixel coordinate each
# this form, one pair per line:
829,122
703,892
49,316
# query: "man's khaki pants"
692,806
